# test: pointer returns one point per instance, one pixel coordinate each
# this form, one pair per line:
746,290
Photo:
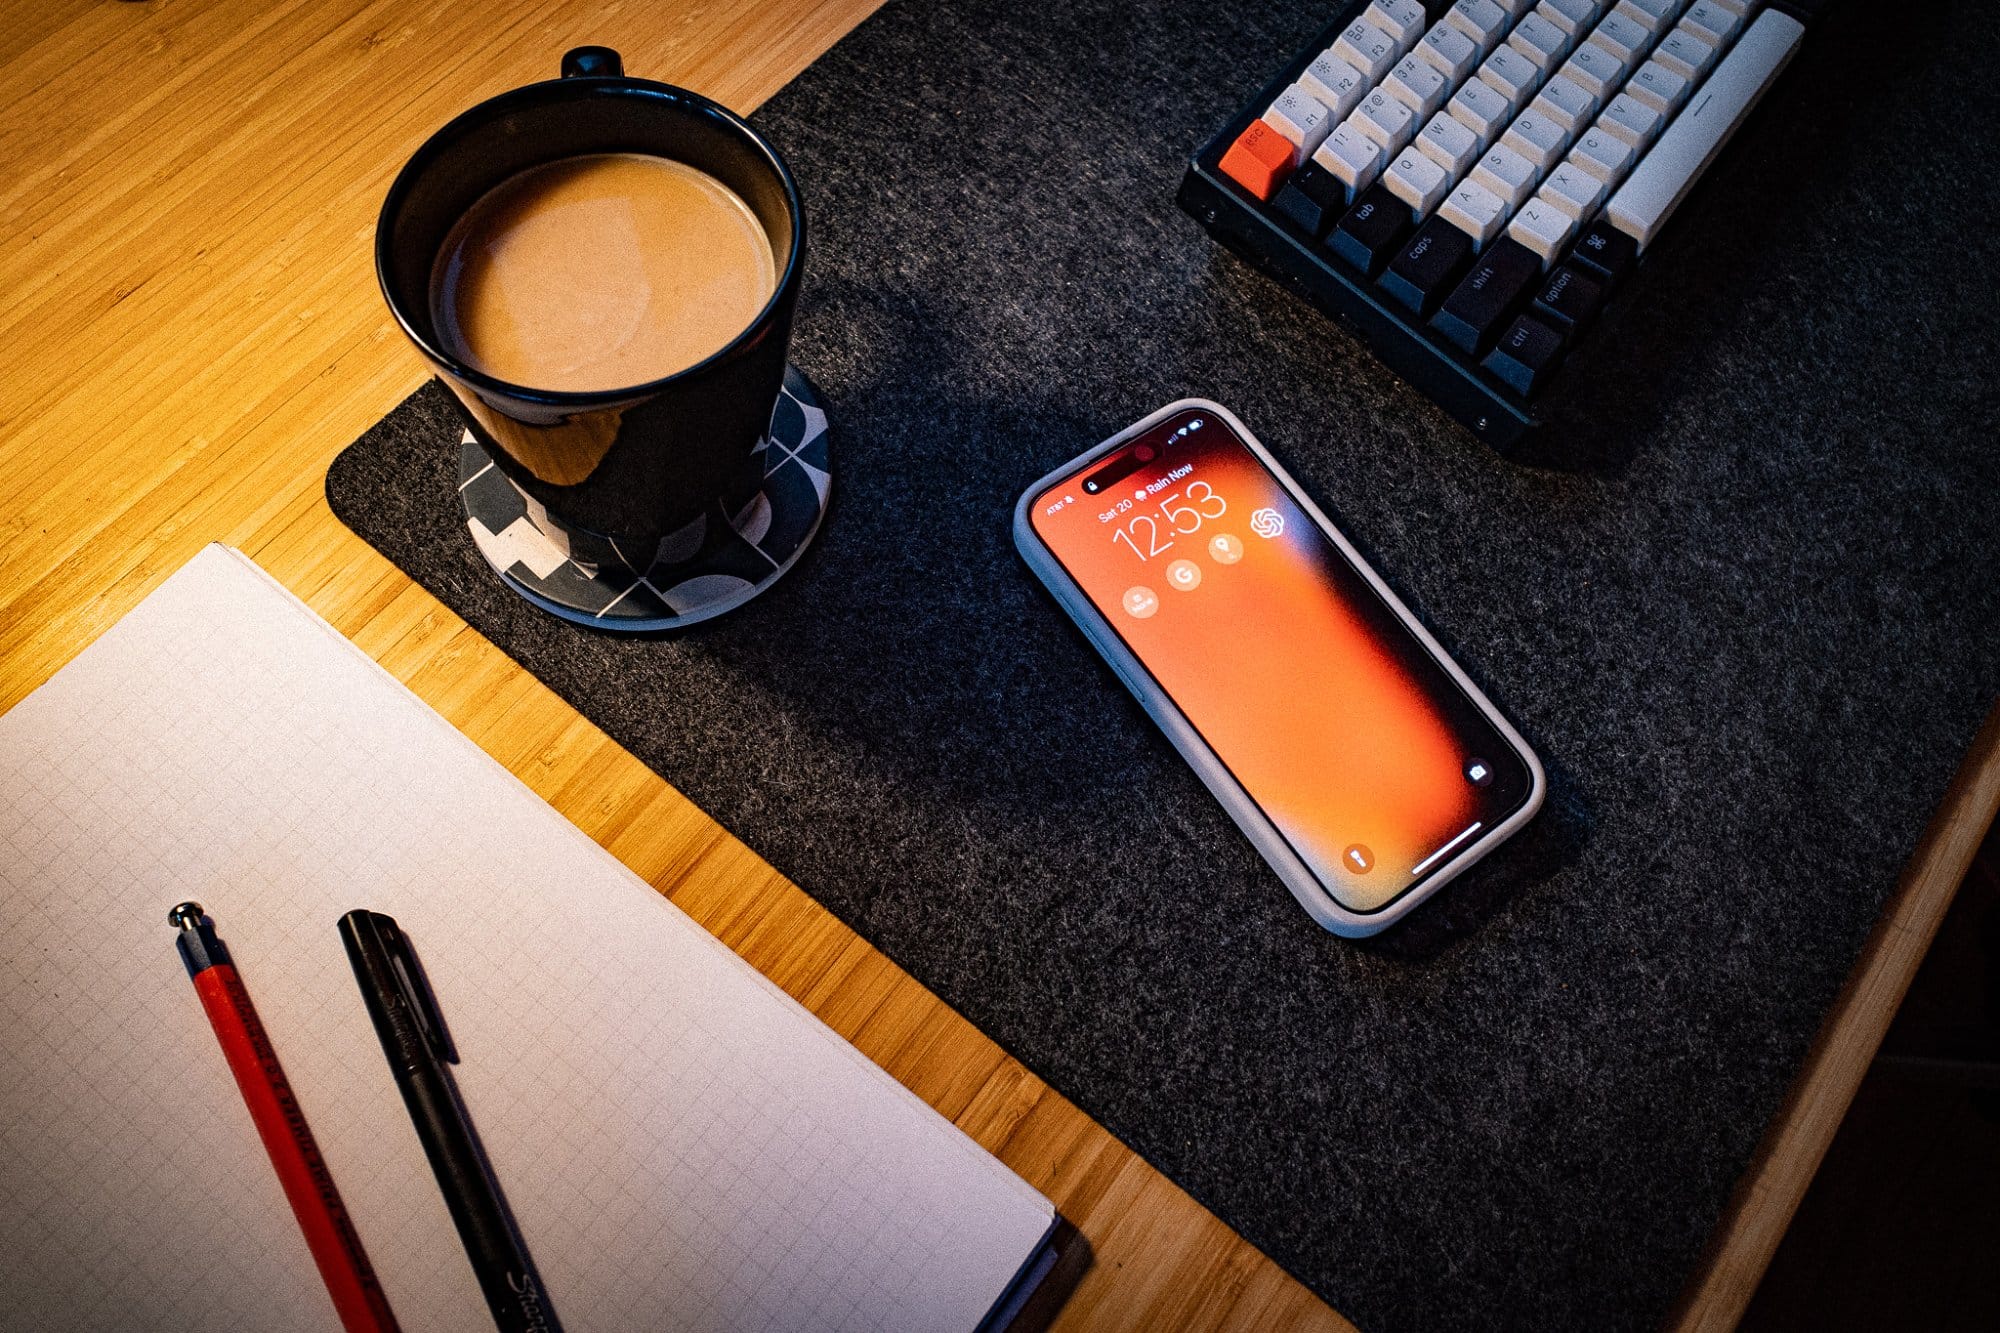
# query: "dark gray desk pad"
1750,624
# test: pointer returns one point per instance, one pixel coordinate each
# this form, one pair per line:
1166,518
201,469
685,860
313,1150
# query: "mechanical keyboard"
1467,185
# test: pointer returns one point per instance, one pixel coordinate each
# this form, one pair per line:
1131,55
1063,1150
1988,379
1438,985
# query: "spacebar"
1652,192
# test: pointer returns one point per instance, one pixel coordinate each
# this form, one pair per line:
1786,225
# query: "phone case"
1296,874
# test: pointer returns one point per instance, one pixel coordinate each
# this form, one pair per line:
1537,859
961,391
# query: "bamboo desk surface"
193,331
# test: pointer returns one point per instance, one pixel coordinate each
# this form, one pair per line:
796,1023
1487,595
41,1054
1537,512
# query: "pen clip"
417,993
412,985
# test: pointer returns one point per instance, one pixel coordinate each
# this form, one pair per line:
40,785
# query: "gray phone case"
1305,885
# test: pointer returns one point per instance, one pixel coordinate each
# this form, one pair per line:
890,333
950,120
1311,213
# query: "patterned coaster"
692,575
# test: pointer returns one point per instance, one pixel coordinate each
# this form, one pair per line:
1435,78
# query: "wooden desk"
192,332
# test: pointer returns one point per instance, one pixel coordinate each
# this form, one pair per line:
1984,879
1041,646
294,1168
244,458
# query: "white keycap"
1575,191
1655,189
1417,181
1562,101
1336,83
1514,8
1685,53
1481,20
1655,16
1603,155
1712,21
1506,173
1623,38
1511,75
1574,17
1481,108
1385,120
1417,85
1543,228
1351,157
1454,54
1631,120
1540,41
1476,211
1302,118
1449,143
1538,139
1367,48
1658,87
1595,70
1740,8
1401,19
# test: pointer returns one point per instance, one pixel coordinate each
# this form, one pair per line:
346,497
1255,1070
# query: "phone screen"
1359,746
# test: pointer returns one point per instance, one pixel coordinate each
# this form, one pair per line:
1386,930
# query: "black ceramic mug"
629,465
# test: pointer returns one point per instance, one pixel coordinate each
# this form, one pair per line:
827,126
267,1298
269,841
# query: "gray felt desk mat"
1751,627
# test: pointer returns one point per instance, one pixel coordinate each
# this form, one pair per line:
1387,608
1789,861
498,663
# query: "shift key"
1474,314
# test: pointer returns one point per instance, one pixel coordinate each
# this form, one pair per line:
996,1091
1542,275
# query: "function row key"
1260,159
1333,88
1333,83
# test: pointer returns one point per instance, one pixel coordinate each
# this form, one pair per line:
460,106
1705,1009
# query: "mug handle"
587,62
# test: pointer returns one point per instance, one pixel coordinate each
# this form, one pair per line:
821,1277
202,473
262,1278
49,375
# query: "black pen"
413,1037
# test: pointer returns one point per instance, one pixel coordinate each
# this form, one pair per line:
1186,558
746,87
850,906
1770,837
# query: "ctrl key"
1525,355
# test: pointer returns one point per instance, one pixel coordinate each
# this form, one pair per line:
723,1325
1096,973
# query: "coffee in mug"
602,271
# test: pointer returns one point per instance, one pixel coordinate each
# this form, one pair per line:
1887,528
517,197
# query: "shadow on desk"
1551,841
1729,246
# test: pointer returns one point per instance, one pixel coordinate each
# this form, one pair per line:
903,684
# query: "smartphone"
1362,762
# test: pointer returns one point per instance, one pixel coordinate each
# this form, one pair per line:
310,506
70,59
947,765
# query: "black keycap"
1490,294
1569,299
1607,250
1525,355
1313,198
1372,230
1425,269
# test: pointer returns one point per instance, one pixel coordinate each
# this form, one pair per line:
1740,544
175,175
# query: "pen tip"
185,915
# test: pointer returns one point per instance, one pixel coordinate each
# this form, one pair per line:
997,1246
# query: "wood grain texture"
192,332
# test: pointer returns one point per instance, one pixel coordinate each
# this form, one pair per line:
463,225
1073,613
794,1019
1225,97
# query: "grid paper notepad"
683,1145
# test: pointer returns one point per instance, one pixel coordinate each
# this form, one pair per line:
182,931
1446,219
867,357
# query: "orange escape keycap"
1260,159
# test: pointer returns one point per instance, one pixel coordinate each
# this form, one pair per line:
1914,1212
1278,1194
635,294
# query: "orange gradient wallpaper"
1362,750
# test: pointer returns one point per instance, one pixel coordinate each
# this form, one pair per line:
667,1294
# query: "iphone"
1362,762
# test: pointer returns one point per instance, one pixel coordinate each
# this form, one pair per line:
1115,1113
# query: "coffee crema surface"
605,271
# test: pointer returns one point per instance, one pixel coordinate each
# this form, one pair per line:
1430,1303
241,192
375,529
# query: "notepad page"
683,1145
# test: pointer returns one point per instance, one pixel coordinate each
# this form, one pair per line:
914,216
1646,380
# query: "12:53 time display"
1179,514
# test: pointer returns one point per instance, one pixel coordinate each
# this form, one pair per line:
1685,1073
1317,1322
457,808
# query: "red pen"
335,1246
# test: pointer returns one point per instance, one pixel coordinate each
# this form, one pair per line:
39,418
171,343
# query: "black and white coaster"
693,574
